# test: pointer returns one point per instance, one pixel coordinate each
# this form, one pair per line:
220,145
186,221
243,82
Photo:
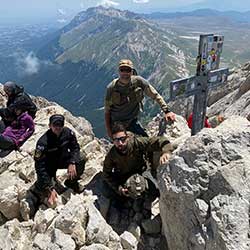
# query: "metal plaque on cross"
208,76
210,49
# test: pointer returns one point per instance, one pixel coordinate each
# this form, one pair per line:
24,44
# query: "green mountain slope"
85,54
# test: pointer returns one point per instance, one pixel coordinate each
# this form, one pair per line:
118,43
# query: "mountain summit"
84,55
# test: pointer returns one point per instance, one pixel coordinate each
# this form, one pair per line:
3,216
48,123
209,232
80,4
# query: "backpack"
135,92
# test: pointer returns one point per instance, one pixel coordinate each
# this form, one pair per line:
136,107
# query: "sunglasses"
122,139
58,124
126,70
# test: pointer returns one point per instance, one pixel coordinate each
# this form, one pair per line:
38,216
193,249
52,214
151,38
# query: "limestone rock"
233,98
16,235
230,213
9,202
55,239
62,240
73,218
43,219
95,247
41,241
176,132
210,170
98,231
128,240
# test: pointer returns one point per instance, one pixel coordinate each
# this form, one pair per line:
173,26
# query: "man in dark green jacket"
128,157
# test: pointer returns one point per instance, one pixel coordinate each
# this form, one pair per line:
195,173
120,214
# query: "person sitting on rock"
15,95
125,164
190,121
20,129
56,149
216,120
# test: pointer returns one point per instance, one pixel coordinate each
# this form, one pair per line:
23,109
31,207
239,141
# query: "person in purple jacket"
14,136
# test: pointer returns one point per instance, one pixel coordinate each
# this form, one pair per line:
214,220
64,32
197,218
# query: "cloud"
62,20
140,1
62,16
62,12
31,64
108,3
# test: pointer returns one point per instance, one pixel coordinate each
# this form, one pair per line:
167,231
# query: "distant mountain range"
73,65
84,56
232,15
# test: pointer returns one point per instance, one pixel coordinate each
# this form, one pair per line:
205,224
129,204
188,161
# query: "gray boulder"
233,98
95,247
73,218
43,219
98,231
128,240
16,235
204,188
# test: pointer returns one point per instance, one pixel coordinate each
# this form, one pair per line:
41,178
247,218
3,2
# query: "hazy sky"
62,10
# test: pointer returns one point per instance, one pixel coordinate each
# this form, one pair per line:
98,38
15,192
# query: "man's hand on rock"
170,116
164,158
72,171
52,199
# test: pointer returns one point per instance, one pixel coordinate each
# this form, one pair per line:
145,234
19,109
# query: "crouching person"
15,94
56,149
125,164
20,129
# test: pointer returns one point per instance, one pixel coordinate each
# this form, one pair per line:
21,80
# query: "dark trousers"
136,128
36,196
68,182
6,146
40,194
79,171
2,126
6,143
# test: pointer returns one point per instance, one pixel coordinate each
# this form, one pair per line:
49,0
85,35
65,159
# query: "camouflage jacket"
119,167
123,101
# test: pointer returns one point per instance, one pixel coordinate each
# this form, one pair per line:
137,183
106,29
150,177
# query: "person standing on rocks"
56,149
124,98
127,160
15,95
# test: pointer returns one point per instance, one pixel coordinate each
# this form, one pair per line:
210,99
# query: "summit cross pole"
208,76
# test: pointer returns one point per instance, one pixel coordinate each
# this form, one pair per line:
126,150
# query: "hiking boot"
74,185
59,187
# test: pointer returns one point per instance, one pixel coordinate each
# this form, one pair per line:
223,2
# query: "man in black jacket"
56,149
16,95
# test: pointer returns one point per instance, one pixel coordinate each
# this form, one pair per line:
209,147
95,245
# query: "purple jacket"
20,129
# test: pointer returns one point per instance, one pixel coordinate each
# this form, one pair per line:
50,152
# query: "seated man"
56,149
127,158
17,132
16,95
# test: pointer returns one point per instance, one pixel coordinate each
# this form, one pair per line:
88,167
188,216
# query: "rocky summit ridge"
204,201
